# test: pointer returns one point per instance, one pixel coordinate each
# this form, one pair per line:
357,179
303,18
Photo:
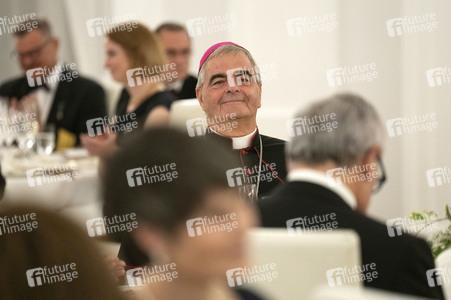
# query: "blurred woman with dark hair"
33,238
173,182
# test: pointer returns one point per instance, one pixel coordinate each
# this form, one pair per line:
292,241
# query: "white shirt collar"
321,179
240,142
53,78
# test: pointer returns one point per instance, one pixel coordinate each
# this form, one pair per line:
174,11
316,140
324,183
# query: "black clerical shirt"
271,151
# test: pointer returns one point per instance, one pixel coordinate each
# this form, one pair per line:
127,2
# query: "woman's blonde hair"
141,46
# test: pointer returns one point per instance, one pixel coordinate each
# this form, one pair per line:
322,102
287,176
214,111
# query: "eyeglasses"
381,176
32,53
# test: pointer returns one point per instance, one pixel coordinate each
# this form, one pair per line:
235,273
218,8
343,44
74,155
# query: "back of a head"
34,238
358,128
162,198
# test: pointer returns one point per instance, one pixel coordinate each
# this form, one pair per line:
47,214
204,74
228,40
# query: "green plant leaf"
448,214
416,216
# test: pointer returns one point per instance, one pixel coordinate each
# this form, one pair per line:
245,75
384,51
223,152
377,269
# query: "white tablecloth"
79,199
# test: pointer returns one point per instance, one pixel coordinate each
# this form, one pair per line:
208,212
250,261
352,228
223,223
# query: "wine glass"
8,127
26,130
45,142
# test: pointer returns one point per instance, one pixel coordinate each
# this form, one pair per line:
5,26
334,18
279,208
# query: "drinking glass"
45,142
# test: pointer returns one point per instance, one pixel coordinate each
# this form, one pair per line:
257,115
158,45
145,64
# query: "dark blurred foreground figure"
46,257
178,189
333,174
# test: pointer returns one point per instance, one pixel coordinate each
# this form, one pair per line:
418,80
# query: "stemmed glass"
25,127
45,143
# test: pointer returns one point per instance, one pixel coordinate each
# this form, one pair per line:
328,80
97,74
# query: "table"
78,198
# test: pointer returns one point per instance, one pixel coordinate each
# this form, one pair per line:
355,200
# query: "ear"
260,96
199,97
371,157
56,43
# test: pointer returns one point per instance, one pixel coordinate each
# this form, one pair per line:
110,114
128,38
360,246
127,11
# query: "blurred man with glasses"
331,177
64,101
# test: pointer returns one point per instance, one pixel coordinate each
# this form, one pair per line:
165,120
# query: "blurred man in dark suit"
177,44
332,174
65,100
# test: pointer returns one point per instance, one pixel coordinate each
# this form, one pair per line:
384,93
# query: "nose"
176,59
26,62
232,85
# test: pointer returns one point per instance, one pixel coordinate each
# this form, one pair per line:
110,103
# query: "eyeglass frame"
32,53
382,178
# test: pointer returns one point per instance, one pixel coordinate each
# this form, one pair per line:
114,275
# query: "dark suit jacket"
188,90
401,261
74,103
273,171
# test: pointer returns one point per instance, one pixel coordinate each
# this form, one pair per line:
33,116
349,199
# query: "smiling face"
116,61
237,93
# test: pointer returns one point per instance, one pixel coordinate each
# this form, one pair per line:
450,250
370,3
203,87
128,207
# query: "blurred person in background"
64,99
336,172
165,208
135,59
177,44
45,240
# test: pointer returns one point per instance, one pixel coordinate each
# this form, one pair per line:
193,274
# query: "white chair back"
301,261
358,293
182,111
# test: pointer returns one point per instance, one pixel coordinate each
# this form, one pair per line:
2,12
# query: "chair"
184,110
357,293
301,261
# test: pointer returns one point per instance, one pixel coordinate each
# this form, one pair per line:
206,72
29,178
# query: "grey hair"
358,128
228,49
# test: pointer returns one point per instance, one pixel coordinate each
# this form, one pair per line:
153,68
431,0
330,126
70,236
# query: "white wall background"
300,64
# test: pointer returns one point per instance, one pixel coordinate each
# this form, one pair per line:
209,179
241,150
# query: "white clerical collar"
240,142
320,178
